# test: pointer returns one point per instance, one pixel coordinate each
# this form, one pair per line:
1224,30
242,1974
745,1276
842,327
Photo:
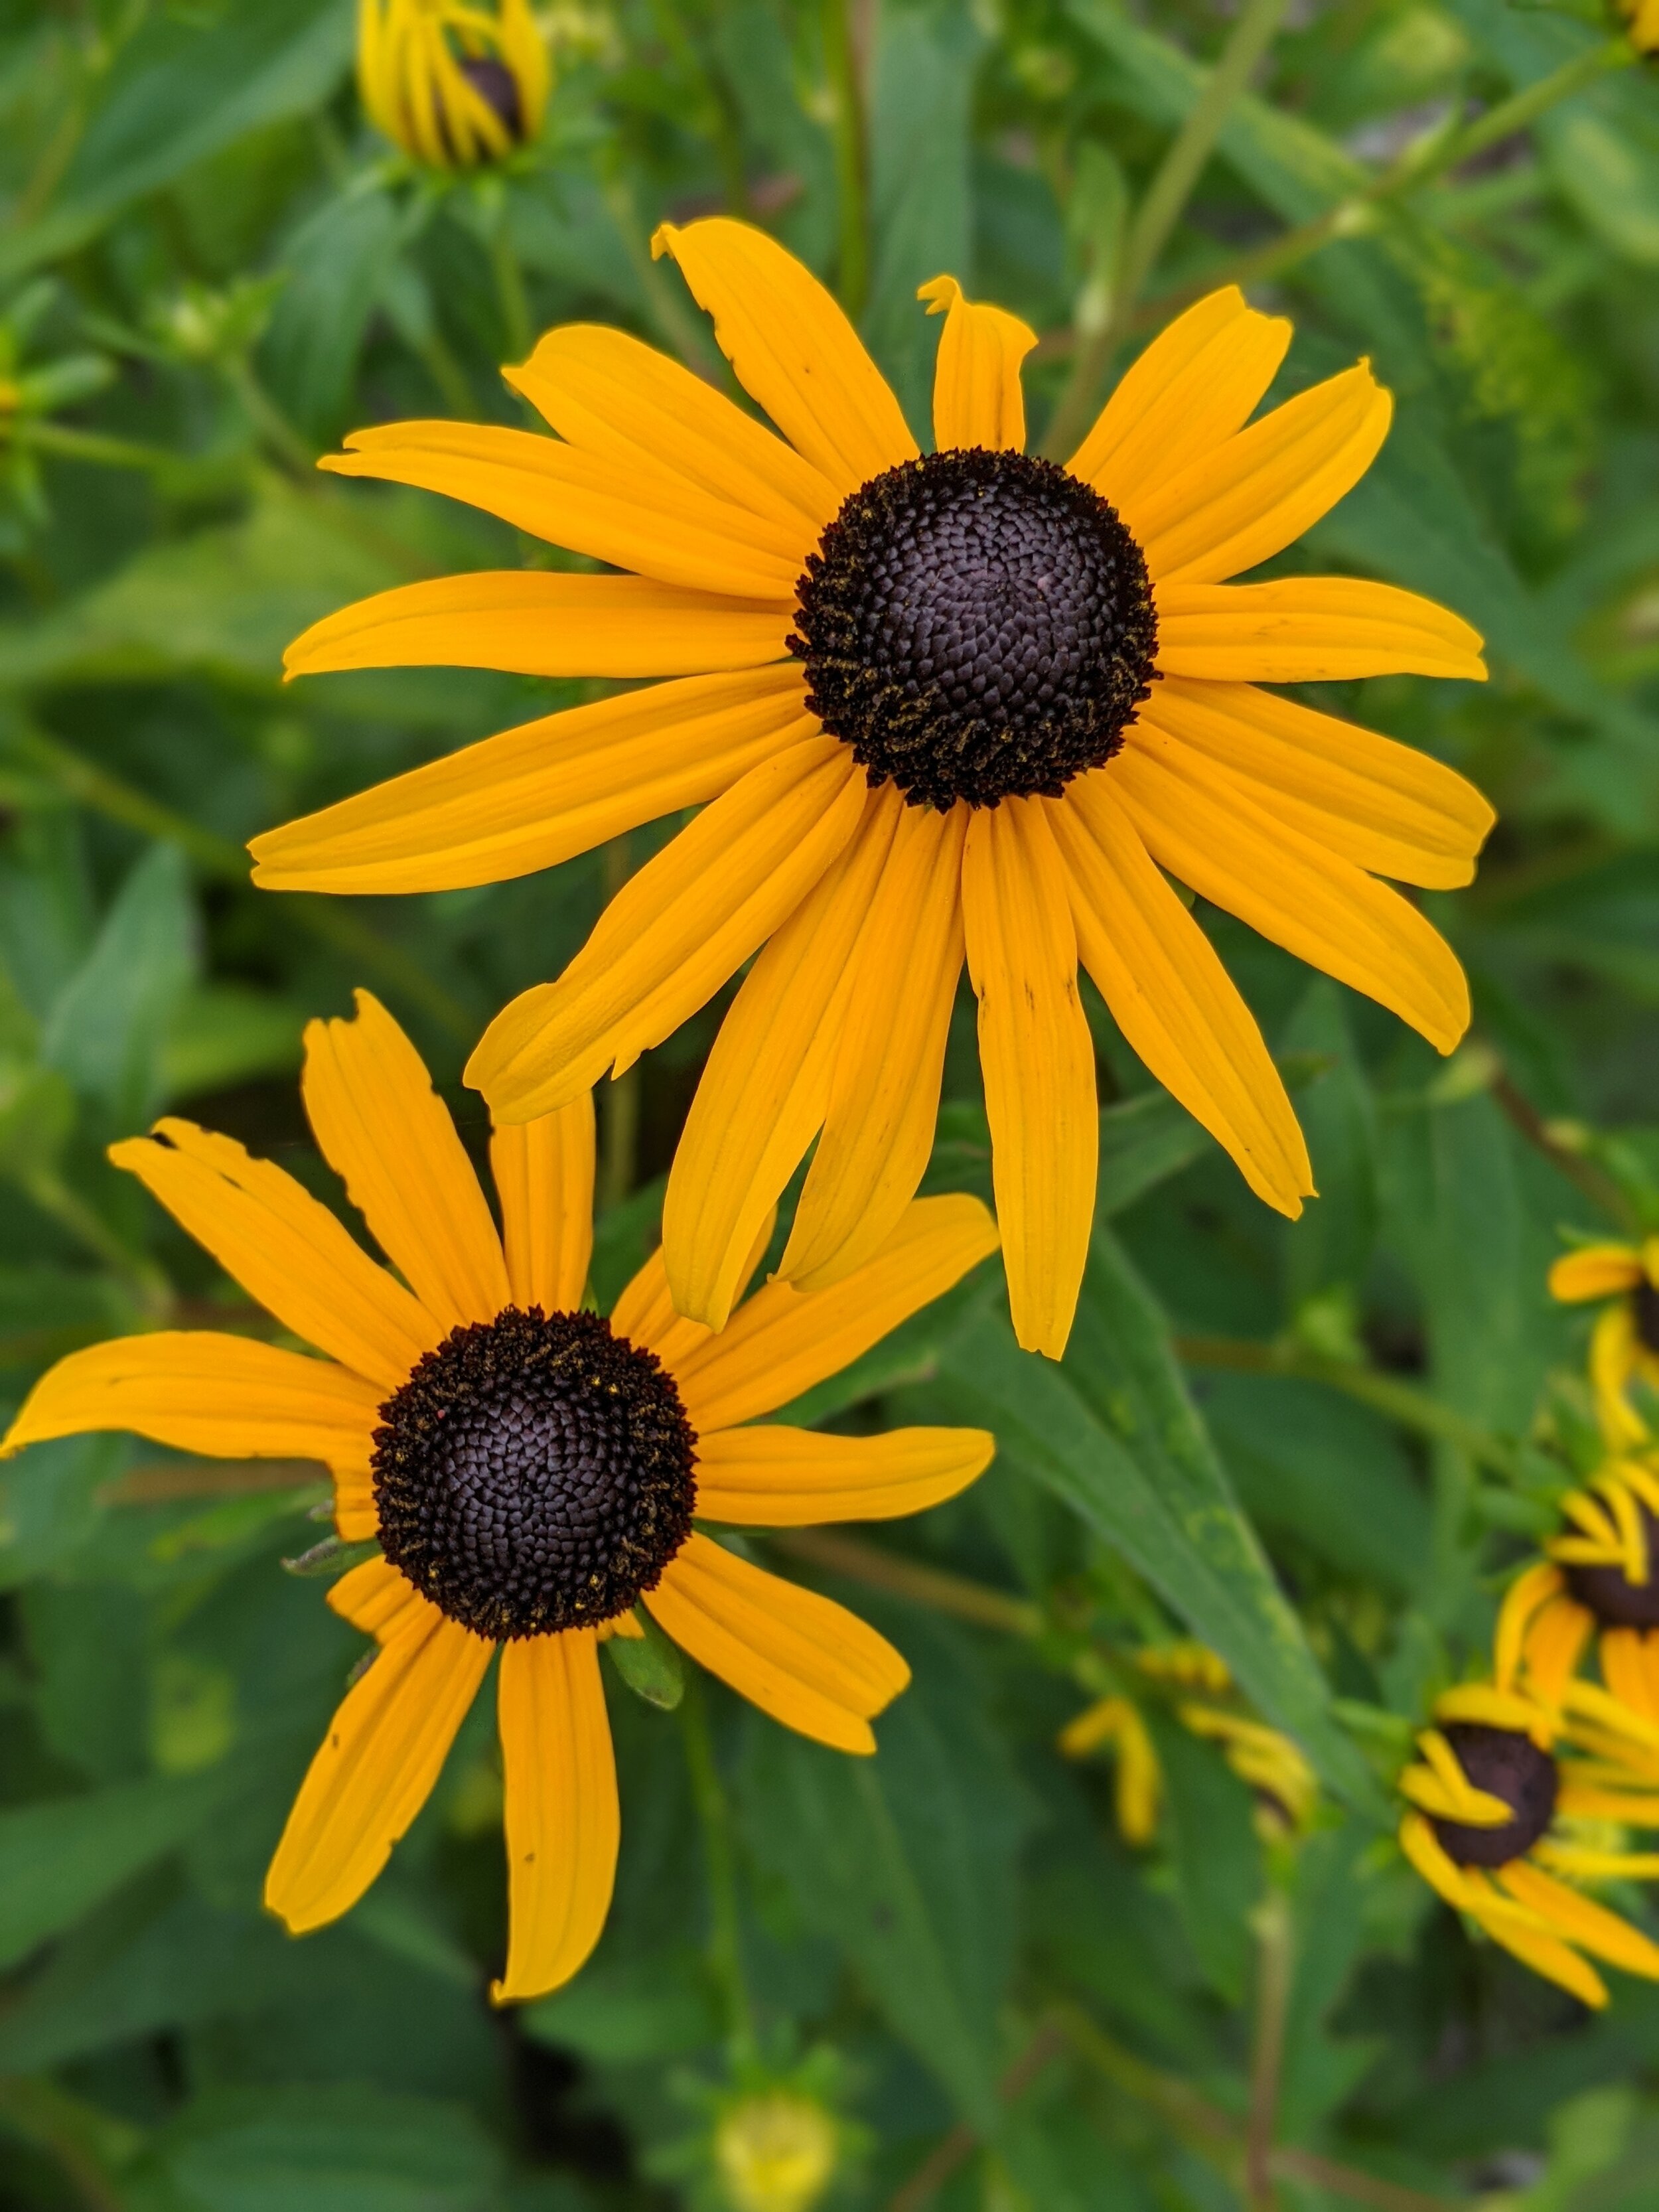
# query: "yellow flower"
1600,1578
529,1470
1138,1786
969,702
1499,1773
1642,18
776,2153
453,82
1625,1342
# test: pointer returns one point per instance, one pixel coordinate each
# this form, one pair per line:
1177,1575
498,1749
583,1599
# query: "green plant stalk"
852,167
1272,1997
90,446
510,294
47,1190
930,1586
713,1817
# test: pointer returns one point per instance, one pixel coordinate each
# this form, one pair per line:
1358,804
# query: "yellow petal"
645,1312
1316,905
793,349
800,1658
1194,385
1615,1358
676,932
877,1131
1579,1919
383,1751
1594,1270
379,1599
536,624
1176,1004
1385,807
563,1820
1095,1724
387,1134
1425,1851
287,1250
784,1340
1548,1956
1555,1644
1629,1668
1521,1600
544,1173
1038,1062
762,1094
628,518
1306,630
977,400
1241,502
783,1478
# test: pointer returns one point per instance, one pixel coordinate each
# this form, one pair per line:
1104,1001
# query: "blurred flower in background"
454,85
1598,1580
776,2152
1625,1342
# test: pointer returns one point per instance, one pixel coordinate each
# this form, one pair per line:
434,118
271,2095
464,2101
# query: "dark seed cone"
1510,1767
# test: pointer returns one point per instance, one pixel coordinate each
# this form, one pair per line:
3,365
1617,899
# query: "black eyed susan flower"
530,1469
1598,1581
961,702
453,82
1495,1799
1624,1342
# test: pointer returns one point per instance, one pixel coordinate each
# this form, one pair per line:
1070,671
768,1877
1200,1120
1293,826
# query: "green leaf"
107,1030
1206,1822
333,2149
1332,1242
336,261
650,1664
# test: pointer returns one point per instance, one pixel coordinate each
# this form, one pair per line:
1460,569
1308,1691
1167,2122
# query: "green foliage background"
1315,1447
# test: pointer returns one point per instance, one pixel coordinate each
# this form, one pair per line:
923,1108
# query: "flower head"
776,2152
1625,1342
453,82
531,1471
965,703
1598,1581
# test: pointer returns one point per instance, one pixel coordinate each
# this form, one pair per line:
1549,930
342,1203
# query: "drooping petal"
676,932
1581,1920
534,623
1547,1955
562,1819
793,349
1038,1062
384,1131
645,1312
1308,629
1171,995
1529,1592
543,793
781,1477
544,1173
800,1658
1555,1644
977,400
1594,1270
1630,1667
284,1248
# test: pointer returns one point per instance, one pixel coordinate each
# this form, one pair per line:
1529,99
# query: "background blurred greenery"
1316,1447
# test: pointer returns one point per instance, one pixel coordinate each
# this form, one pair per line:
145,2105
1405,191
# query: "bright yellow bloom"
776,2153
1599,1579
529,1470
969,703
453,82
1625,1342
1494,1800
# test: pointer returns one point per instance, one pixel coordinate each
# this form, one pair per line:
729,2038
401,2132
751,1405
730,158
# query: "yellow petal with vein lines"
563,1820
632,518
1243,502
764,1091
533,623
1194,385
977,400
383,1751
1316,905
1307,630
379,1599
1594,1270
284,1248
783,1478
543,793
645,1311
800,1658
384,1131
783,1340
877,1130
1038,1062
1171,995
544,1173
1581,1920
676,932
793,349
1380,805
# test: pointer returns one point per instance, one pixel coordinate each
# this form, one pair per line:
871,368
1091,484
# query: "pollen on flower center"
534,1473
977,625
1508,1766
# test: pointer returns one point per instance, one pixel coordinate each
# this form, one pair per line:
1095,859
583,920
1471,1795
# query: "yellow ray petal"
1581,1920
541,793
877,1131
536,624
1547,1955
1176,1004
1241,502
1381,805
1038,1062
800,1658
563,1823
1316,905
544,1173
645,1312
387,1134
977,400
1425,1851
1615,1357
630,518
1194,385
783,1478
793,349
1305,630
676,932
1594,1270
1555,1644
1629,1668
379,1599
382,1754
1521,1600
784,1340
287,1250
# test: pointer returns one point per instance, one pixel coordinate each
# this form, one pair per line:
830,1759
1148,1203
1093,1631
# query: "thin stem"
279,435
952,2149
509,285
1596,1184
54,1198
851,186
714,1816
929,1586
90,446
619,1099
1273,1995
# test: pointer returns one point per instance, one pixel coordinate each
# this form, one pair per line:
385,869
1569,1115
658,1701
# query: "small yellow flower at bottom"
776,2152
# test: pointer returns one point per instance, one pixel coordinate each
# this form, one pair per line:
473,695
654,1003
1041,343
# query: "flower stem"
715,1818
509,285
1272,1996
840,61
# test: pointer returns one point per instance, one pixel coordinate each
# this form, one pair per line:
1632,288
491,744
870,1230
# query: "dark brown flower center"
1510,1767
498,89
1645,1311
1607,1591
